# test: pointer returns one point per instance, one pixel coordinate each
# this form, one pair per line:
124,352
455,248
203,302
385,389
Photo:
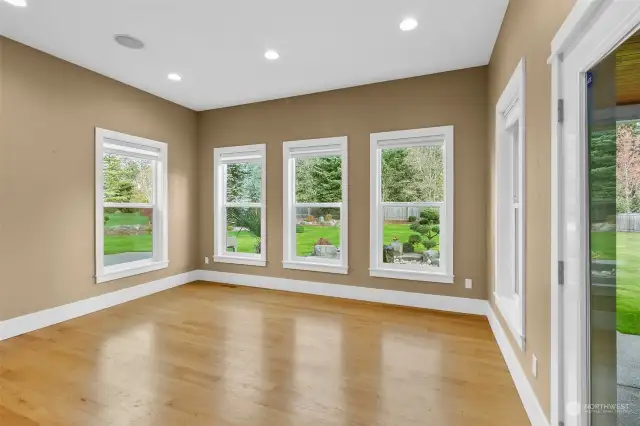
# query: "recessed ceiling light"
408,24
174,77
128,41
271,55
17,3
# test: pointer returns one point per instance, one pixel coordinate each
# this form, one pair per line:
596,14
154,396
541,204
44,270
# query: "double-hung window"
131,205
315,205
411,222
509,215
239,205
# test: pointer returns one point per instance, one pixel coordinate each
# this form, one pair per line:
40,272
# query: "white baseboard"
526,392
27,323
402,298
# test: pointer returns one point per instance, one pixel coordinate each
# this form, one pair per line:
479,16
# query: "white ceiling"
218,45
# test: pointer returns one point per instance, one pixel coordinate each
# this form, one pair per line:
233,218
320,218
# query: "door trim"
568,310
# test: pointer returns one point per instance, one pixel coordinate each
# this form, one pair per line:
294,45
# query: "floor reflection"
203,355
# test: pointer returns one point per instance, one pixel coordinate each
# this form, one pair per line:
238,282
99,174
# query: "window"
509,215
239,210
315,205
131,205
412,204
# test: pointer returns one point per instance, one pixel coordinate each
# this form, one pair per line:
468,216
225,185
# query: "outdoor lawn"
307,239
626,245
116,244
402,232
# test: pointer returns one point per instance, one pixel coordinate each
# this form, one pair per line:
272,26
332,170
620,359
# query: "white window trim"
290,260
160,258
509,109
249,153
405,138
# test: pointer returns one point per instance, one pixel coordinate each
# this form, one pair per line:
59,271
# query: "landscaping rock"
412,257
431,257
127,230
326,251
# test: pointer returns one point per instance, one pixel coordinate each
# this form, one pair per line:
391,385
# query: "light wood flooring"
208,354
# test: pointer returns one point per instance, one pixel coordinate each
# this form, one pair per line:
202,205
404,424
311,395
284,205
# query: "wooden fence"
628,222
400,213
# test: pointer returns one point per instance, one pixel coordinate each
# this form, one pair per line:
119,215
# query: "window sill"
115,273
433,277
508,309
316,267
237,260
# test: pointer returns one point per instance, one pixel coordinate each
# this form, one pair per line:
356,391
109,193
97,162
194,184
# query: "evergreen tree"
397,176
326,175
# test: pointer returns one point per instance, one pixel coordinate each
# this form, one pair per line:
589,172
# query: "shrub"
229,228
328,217
414,239
412,219
428,226
407,248
311,219
431,215
421,229
428,244
323,242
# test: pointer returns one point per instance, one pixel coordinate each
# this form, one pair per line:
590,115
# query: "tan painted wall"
527,31
458,98
50,109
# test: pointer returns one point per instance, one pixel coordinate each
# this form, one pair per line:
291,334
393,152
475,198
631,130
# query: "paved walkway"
629,378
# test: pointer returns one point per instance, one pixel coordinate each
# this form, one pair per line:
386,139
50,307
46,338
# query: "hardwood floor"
206,354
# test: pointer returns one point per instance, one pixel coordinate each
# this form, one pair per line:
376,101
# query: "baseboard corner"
532,406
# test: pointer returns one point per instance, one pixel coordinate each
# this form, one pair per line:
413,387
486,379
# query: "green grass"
402,232
306,240
116,244
246,242
625,248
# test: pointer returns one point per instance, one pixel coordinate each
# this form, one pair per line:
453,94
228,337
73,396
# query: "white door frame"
591,31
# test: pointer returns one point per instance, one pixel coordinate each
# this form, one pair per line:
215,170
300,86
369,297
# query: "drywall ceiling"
218,46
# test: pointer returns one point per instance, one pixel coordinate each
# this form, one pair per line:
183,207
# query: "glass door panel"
613,117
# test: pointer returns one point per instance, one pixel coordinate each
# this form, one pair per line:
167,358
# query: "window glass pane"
244,227
515,165
319,179
244,182
411,236
318,232
516,251
128,235
127,179
413,174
